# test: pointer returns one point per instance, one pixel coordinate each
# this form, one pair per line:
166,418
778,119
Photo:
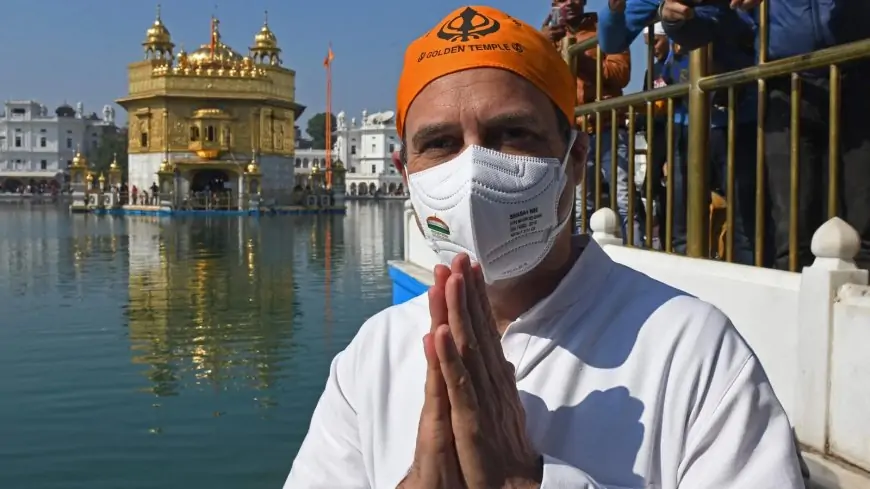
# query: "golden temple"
211,110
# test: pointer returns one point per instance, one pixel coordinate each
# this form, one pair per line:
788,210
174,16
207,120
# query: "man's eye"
518,134
439,144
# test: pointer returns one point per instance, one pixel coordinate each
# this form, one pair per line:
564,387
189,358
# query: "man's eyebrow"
433,130
509,119
513,119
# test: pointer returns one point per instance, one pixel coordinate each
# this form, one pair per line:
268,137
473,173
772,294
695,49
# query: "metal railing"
696,94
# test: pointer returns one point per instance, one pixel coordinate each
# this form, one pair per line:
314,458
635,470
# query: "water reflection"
207,306
215,333
213,302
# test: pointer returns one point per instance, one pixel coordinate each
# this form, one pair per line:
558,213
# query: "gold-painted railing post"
698,202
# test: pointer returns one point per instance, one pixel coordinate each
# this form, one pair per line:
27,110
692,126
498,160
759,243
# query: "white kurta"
626,383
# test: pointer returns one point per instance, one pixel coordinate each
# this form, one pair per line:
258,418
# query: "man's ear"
579,152
400,167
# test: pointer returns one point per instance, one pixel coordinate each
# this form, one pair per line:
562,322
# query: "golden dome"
89,177
213,59
265,48
114,164
158,35
265,38
102,178
252,168
79,159
223,57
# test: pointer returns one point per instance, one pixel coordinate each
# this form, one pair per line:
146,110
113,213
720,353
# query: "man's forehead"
453,120
482,95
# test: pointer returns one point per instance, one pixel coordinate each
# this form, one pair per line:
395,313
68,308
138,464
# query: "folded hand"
486,417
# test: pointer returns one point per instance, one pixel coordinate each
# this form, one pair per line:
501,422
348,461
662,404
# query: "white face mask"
501,209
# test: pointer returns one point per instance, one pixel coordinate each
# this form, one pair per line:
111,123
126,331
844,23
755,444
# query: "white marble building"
366,150
39,144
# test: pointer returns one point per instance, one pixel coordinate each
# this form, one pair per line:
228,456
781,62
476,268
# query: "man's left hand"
487,416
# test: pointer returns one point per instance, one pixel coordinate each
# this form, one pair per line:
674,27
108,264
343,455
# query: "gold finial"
253,167
79,160
114,165
165,166
157,37
265,48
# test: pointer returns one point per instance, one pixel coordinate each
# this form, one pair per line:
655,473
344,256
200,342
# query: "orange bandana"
484,37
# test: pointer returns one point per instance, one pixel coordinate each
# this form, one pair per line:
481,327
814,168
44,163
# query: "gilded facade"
211,109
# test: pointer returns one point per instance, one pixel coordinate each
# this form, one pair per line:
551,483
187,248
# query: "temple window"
227,137
143,139
194,133
298,162
209,134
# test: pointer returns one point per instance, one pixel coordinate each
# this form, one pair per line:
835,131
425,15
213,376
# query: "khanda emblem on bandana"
468,25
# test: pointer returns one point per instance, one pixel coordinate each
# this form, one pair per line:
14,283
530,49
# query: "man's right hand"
676,11
554,33
436,465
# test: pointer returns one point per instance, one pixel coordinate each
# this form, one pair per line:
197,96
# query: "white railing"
811,331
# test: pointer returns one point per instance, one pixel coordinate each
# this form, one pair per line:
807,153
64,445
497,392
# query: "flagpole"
329,117
212,42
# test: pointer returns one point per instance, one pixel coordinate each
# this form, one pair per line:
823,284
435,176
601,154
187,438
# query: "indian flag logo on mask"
437,227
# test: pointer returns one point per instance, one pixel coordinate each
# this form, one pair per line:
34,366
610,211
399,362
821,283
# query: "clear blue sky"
78,50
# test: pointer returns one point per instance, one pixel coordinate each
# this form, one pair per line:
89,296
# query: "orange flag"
329,57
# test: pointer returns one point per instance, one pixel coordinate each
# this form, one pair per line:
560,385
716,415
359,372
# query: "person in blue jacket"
798,27
662,75
620,22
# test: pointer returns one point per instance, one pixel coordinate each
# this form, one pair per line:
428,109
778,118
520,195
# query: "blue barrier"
405,287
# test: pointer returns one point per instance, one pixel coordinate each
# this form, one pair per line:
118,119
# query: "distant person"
799,27
567,25
662,77
538,372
